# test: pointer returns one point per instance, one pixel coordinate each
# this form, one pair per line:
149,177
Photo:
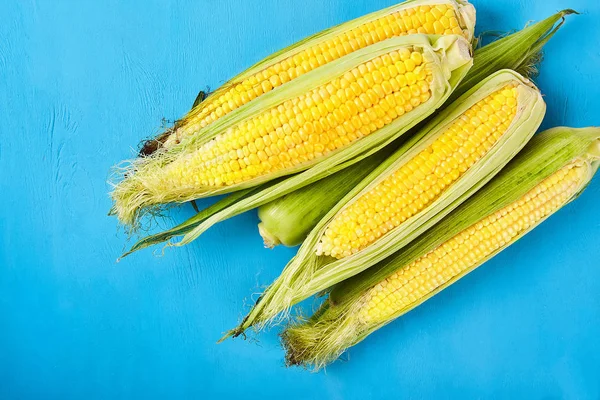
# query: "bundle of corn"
290,217
429,176
552,170
329,118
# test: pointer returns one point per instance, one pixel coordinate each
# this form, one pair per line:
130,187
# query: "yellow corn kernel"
420,181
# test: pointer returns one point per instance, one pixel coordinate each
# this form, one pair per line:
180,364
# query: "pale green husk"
307,273
315,342
141,191
289,219
516,51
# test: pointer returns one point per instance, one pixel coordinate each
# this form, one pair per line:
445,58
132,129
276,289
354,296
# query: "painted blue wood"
81,82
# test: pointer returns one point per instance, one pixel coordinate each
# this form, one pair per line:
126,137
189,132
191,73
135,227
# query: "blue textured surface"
81,82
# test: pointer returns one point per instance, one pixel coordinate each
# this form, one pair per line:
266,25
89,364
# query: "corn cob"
422,179
450,159
280,222
552,170
337,114
433,17
289,219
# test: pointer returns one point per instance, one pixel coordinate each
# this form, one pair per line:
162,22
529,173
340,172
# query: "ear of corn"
405,190
432,17
283,222
550,172
289,219
330,118
429,176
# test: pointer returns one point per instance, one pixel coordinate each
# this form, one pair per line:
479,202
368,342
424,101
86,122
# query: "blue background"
82,82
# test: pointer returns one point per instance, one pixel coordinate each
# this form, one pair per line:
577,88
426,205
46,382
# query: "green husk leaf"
307,273
319,340
520,51
191,222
